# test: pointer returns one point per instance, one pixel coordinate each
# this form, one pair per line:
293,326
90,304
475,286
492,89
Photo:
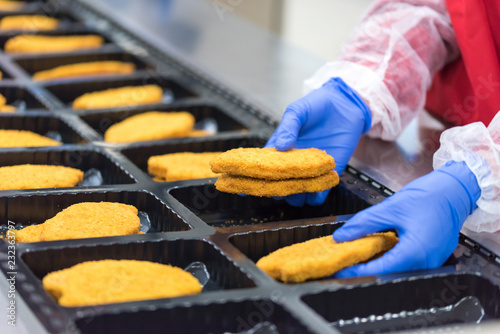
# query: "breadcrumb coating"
28,22
7,108
10,5
275,188
22,138
270,164
120,97
49,44
322,257
85,69
153,125
117,281
85,220
181,166
38,176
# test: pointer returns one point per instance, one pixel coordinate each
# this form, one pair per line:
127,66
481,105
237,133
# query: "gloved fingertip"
297,200
278,198
342,235
271,142
242,195
285,143
347,273
317,199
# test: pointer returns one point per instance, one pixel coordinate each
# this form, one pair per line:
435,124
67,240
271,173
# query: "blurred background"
304,23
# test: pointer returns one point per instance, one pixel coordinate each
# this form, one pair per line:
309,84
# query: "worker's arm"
429,212
388,63
391,58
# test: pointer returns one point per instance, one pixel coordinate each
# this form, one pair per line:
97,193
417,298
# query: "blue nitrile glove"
331,118
428,215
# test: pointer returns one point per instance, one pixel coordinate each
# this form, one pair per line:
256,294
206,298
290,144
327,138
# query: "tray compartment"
239,317
32,64
42,125
102,121
83,159
139,155
35,209
21,98
224,274
68,92
409,304
224,210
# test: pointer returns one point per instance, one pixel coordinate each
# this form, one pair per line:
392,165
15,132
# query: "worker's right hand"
428,214
331,118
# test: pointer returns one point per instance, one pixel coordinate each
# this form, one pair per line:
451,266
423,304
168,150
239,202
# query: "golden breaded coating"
118,281
11,5
7,108
200,133
29,233
181,166
49,44
322,257
85,69
85,220
151,125
120,97
28,22
21,138
38,176
91,220
3,100
272,188
270,164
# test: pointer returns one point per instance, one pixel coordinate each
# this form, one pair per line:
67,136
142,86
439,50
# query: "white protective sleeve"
479,148
391,58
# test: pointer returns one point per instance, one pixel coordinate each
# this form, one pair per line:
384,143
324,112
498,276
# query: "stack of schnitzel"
267,172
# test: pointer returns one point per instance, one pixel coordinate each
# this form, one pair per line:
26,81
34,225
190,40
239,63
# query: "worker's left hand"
428,215
331,118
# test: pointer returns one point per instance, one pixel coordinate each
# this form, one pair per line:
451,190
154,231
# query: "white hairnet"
479,148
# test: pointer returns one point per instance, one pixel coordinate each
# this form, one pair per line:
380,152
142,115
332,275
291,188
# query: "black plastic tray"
192,225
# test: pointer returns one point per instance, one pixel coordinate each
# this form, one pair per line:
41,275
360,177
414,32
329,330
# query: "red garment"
468,90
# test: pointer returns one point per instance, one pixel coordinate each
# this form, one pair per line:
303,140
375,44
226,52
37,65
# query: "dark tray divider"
238,317
224,273
102,121
36,63
224,210
4,36
15,93
45,206
83,159
68,92
5,73
42,125
400,298
139,154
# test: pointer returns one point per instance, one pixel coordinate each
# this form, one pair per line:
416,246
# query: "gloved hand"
427,213
331,118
